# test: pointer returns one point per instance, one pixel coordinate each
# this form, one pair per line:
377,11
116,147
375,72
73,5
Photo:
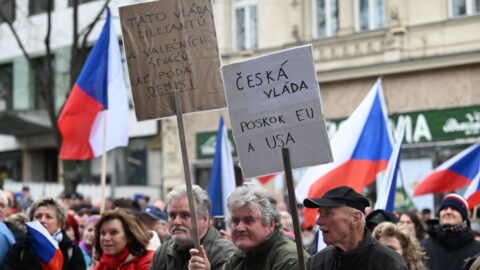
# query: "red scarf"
113,262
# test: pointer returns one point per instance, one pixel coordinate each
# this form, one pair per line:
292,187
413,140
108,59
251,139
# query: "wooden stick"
293,207
186,169
103,176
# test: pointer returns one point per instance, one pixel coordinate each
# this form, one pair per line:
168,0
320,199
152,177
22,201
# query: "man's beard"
181,240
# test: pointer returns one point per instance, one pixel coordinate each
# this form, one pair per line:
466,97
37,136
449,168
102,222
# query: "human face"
81,221
3,209
89,234
407,222
450,216
47,216
336,225
112,237
247,227
391,242
180,224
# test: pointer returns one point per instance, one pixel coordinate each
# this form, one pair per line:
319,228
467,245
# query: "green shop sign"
423,126
206,142
431,126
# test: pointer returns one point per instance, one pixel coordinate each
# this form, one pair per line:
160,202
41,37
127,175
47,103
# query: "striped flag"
457,172
100,89
386,194
361,149
222,180
44,246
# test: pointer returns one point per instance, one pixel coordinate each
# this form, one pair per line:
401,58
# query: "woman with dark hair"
51,215
121,242
411,221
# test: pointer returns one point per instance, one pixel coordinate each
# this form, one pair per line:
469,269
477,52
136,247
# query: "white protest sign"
274,102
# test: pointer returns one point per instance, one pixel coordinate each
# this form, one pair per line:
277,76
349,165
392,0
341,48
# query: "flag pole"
293,206
103,176
186,169
475,210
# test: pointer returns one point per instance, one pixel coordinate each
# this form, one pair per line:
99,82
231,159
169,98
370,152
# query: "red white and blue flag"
100,89
459,171
361,149
44,246
388,187
222,180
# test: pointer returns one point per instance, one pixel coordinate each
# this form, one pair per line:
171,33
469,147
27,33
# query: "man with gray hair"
256,231
341,217
174,254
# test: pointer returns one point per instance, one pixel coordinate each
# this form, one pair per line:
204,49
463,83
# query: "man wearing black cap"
451,240
156,220
342,222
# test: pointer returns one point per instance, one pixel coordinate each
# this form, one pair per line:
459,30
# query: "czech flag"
388,189
457,172
361,149
100,89
222,180
46,249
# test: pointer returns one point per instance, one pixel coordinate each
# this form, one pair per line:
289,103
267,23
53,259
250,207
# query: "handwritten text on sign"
274,102
171,45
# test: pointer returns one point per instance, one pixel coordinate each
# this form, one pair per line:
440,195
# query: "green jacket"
171,256
276,252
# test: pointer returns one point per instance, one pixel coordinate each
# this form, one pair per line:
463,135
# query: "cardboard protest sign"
171,45
274,102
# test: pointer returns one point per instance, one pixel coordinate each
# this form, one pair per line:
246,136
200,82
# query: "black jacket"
370,255
448,249
20,256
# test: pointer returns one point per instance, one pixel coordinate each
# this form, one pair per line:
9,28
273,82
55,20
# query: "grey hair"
202,201
251,194
52,203
4,197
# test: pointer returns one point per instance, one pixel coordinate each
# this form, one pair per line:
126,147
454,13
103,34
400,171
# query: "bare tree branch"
86,32
15,34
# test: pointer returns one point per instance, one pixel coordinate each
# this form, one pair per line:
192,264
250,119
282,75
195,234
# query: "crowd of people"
134,234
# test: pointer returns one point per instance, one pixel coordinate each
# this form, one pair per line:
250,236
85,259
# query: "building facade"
427,53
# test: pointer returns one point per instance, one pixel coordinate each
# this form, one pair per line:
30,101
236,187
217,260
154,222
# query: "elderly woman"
121,242
400,239
51,215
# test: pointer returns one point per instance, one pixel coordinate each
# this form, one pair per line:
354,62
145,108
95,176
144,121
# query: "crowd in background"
127,235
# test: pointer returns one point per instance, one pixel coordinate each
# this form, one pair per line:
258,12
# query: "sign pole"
293,207
186,169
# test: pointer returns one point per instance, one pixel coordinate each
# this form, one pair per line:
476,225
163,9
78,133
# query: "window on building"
460,8
39,79
325,18
6,87
7,7
137,159
245,24
39,6
369,14
70,2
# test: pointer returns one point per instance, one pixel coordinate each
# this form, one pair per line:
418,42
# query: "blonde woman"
398,238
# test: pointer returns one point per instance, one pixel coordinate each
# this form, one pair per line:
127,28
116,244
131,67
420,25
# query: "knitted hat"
457,202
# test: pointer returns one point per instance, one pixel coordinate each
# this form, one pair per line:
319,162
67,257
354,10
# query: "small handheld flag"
44,246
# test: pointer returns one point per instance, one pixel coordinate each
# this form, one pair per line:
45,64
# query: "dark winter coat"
21,256
171,256
370,255
276,252
447,249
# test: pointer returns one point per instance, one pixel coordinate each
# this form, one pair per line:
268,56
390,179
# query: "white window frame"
328,19
246,4
470,9
372,16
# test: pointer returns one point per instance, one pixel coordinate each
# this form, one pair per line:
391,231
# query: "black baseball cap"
340,196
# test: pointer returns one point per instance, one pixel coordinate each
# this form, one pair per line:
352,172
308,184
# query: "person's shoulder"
384,256
321,257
